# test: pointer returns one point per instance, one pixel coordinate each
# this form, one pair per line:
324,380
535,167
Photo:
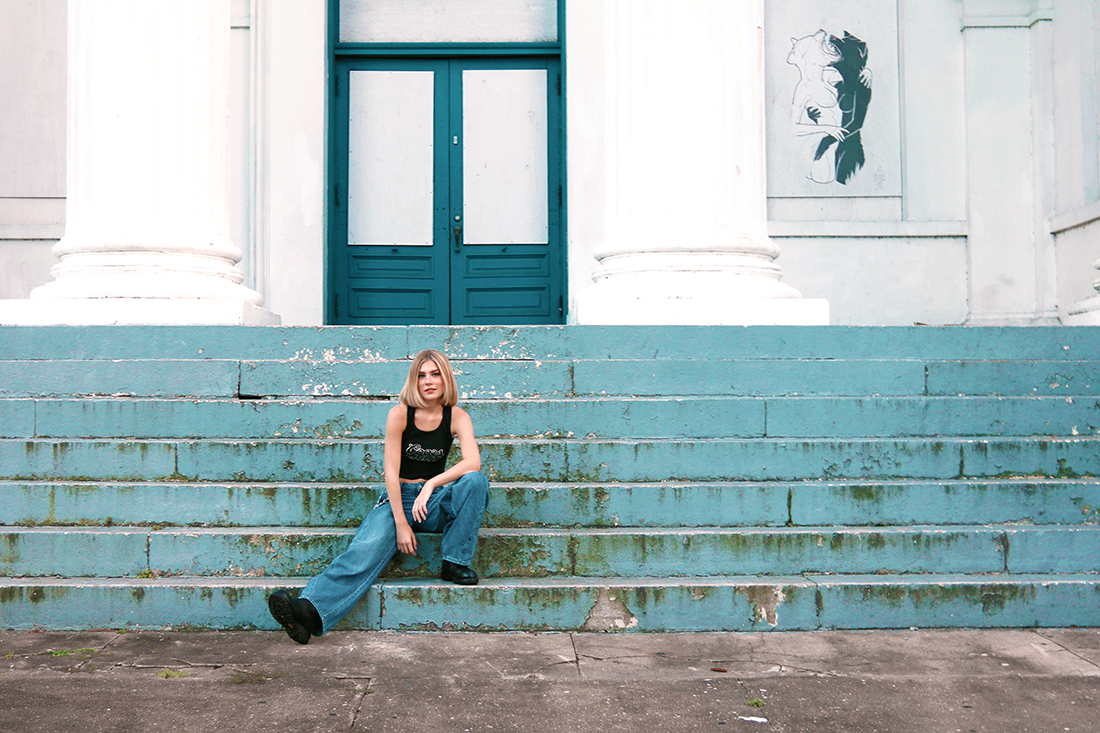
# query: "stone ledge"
134,311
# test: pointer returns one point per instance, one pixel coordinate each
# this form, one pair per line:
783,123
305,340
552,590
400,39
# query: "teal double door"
447,192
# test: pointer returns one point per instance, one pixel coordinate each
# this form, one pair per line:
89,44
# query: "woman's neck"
432,408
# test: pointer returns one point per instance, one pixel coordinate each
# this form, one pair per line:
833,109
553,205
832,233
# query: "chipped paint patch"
609,613
765,600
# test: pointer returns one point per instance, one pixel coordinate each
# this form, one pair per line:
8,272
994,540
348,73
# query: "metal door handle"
458,238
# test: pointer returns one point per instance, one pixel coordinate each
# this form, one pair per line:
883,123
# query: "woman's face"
429,382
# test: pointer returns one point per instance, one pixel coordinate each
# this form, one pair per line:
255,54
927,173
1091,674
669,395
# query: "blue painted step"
550,378
636,504
590,553
1054,501
571,604
547,343
589,417
760,459
802,477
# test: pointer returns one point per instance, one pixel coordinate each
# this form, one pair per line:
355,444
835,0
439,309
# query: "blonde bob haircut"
410,395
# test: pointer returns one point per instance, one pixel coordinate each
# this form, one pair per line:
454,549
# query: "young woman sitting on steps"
422,495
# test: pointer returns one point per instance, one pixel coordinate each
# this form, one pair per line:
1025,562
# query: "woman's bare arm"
395,427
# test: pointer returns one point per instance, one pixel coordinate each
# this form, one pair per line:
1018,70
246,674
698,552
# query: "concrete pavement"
997,681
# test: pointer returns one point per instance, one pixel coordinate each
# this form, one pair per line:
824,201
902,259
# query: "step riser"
783,604
841,377
502,380
652,506
121,552
163,377
959,603
374,343
561,460
518,554
680,418
810,504
185,504
476,380
700,418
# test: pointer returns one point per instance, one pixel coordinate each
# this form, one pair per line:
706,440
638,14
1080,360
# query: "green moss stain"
603,498
514,557
337,499
866,493
516,497
580,498
993,599
1064,471
892,595
403,566
410,595
234,596
1002,543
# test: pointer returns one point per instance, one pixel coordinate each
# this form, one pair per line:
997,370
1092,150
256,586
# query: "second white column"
685,214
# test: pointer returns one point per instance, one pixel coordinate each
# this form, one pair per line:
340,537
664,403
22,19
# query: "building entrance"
448,191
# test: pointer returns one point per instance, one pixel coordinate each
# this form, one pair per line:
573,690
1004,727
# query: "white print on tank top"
416,452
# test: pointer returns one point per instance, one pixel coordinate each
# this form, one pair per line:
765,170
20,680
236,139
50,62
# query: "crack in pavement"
1064,648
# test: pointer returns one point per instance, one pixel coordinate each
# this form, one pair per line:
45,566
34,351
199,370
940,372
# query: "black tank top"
424,454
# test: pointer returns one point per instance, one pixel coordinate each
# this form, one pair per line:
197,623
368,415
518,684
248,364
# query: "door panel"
504,156
452,211
391,164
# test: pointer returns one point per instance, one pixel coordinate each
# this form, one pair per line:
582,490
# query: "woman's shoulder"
458,414
398,414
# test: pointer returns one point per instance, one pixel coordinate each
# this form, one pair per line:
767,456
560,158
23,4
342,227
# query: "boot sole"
279,606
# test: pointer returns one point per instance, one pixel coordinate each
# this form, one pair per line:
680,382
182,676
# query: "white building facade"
879,162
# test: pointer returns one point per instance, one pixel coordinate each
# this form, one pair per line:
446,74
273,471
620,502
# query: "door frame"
336,133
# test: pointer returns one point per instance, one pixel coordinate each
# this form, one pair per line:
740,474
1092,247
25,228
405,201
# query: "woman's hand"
406,539
420,506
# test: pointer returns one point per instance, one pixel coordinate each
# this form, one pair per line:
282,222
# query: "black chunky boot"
458,574
297,616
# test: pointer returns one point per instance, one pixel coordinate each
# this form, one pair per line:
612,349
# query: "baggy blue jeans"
455,509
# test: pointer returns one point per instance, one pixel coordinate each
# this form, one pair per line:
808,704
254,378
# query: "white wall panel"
812,76
390,158
504,156
439,21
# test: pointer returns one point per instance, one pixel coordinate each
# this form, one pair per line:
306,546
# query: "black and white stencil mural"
828,134
830,103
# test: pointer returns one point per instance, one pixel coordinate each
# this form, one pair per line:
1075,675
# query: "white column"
1086,312
1005,249
685,217
147,231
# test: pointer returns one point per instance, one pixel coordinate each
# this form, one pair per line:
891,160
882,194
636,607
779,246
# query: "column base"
592,307
134,311
1085,313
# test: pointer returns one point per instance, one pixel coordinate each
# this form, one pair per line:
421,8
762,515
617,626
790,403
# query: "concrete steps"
636,504
803,602
561,460
80,552
643,478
